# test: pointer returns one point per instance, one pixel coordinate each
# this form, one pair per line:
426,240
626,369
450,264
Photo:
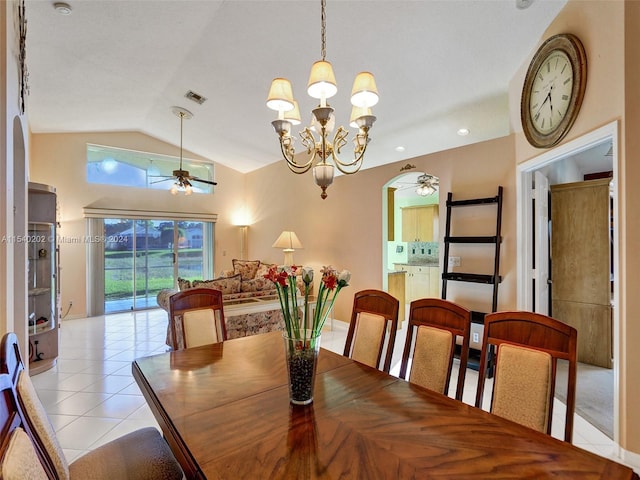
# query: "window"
135,254
141,257
130,168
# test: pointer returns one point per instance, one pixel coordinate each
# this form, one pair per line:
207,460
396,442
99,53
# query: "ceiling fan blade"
163,180
203,181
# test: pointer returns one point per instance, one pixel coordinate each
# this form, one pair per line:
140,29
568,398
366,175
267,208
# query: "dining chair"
142,454
374,312
19,458
197,318
433,329
527,348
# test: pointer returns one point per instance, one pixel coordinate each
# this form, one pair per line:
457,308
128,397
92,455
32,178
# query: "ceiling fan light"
174,189
188,190
364,92
425,190
322,81
280,96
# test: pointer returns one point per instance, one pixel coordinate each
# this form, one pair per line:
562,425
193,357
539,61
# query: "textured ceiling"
120,65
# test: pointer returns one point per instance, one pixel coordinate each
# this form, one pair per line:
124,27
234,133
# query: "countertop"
418,264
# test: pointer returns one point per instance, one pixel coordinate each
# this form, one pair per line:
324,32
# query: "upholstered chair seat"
366,339
522,385
20,460
139,455
435,325
197,318
142,454
374,314
526,347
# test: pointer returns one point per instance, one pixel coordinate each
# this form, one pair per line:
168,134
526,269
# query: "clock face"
551,92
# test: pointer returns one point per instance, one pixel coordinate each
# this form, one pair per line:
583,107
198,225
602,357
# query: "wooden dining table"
224,410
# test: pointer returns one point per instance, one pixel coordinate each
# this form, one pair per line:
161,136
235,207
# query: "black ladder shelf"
493,279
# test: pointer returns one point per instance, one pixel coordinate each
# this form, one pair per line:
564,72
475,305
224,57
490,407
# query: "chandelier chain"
323,29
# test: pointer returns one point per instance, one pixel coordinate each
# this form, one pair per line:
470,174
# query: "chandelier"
316,138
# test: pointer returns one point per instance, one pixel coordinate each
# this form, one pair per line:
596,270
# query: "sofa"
245,281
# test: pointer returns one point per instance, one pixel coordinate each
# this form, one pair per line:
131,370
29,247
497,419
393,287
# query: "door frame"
524,172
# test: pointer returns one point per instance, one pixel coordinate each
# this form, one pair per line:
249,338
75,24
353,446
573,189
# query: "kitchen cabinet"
420,223
396,287
421,282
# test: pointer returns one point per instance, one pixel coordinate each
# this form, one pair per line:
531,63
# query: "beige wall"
60,160
345,229
609,32
630,236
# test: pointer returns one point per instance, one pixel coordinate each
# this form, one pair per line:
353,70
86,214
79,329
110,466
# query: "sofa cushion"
183,283
263,269
246,268
226,285
257,284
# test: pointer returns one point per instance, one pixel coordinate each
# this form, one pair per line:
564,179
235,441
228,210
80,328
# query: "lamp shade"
293,115
364,92
280,96
288,241
357,112
322,81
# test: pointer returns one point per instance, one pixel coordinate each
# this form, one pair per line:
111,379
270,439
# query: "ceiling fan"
182,178
425,184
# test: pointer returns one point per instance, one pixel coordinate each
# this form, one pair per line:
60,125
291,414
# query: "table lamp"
288,241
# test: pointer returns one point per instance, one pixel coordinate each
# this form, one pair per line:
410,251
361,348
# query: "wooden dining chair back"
374,314
527,348
433,330
197,317
142,454
19,458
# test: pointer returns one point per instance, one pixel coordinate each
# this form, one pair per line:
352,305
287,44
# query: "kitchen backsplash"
419,252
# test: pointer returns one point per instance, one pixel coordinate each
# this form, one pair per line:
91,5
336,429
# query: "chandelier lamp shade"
321,145
288,242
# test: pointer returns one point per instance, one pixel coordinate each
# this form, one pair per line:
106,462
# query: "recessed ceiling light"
463,131
399,148
62,8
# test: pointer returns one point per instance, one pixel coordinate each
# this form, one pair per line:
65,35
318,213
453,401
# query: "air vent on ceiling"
196,97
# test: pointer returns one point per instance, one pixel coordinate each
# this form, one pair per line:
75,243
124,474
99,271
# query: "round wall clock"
553,90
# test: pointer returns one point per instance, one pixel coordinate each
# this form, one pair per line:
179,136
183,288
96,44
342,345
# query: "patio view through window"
141,257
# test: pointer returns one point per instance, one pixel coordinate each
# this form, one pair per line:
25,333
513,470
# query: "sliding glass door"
141,257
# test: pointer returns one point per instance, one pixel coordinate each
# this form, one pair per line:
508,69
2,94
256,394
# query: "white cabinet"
421,282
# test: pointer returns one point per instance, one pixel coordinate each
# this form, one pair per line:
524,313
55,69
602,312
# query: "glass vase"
301,355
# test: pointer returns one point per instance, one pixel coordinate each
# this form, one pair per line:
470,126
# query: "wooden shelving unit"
491,241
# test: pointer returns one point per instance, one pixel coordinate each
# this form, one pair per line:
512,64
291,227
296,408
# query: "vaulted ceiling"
120,65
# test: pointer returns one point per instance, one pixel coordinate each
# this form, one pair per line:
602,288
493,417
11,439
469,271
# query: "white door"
541,243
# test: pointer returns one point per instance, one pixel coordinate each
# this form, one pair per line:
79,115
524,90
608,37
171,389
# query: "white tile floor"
92,398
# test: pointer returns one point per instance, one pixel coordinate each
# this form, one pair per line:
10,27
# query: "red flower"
329,277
